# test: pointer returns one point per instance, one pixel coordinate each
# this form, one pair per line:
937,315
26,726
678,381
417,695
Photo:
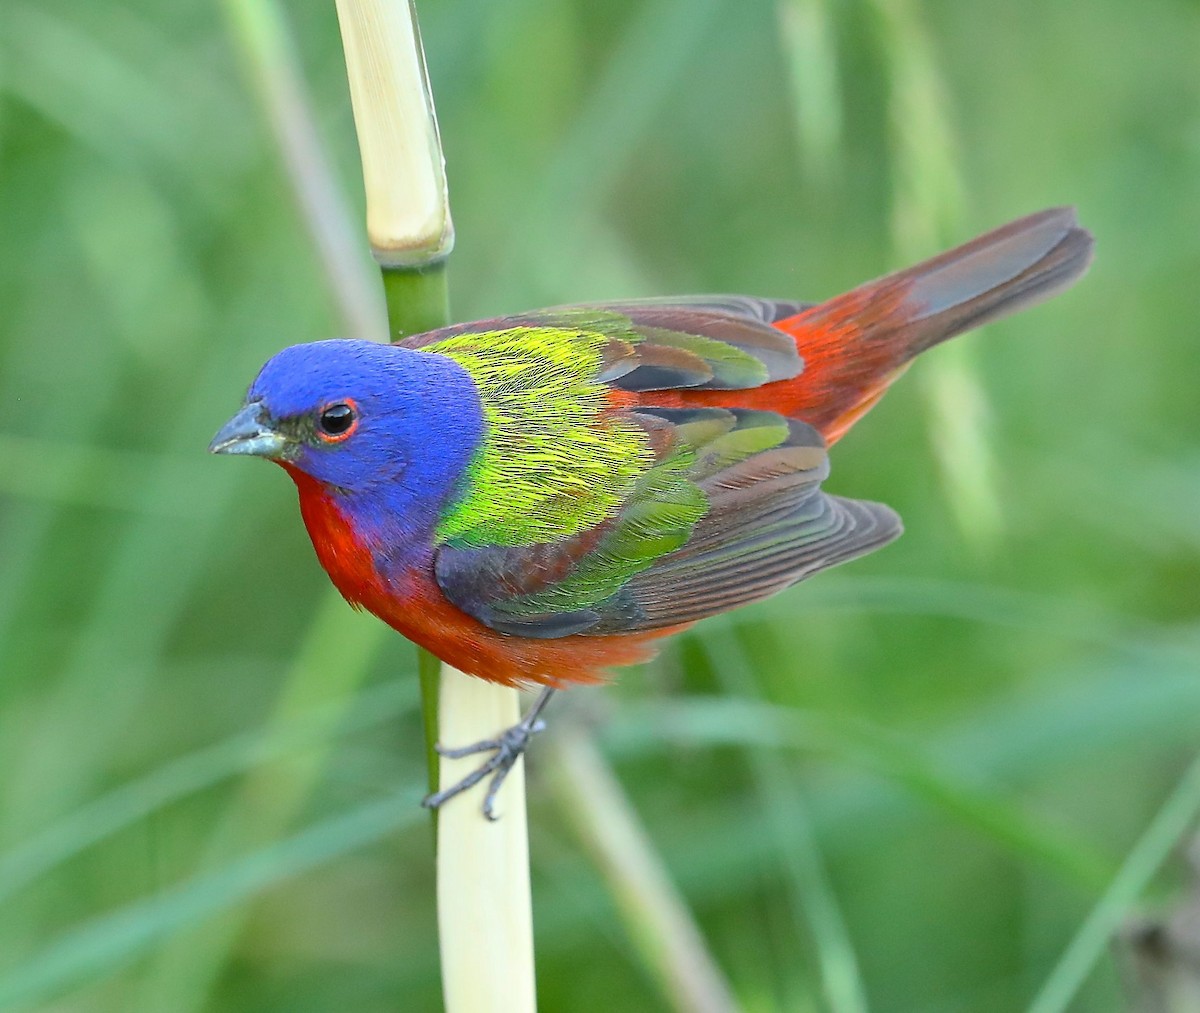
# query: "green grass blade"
814,902
738,722
1095,935
330,666
654,914
810,48
618,111
121,808
928,198
258,28
97,948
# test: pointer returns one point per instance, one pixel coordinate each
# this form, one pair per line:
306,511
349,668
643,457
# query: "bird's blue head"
388,431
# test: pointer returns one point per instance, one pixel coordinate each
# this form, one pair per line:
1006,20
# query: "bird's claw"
506,749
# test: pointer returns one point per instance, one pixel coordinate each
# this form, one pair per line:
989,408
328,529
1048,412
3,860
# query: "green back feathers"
585,512
554,461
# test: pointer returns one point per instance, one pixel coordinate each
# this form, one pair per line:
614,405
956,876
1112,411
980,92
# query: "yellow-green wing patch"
554,460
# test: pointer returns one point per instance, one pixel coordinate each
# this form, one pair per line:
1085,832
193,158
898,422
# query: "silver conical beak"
247,433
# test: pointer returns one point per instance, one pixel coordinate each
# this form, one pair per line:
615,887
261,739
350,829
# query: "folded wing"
731,513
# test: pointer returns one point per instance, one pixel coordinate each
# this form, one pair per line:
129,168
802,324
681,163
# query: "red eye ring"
337,421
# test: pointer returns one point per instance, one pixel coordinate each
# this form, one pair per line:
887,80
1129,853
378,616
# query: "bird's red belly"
416,607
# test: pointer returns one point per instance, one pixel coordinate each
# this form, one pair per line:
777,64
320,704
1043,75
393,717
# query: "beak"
247,433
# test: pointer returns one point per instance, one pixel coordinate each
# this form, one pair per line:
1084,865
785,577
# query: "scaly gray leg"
506,749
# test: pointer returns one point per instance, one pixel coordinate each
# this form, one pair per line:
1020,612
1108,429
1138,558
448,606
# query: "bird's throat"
363,558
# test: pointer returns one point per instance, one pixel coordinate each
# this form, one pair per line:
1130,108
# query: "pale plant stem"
408,208
485,921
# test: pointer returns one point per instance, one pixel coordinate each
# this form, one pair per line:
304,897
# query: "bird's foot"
506,749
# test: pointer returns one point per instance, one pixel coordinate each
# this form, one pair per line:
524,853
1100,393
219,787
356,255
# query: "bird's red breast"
414,605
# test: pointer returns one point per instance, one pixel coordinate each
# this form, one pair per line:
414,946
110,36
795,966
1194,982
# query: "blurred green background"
209,766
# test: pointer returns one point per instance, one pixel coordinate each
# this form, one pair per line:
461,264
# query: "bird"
538,499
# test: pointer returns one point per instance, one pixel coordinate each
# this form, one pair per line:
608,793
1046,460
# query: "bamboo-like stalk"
408,208
485,922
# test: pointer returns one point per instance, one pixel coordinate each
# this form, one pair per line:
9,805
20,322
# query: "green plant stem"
429,673
418,299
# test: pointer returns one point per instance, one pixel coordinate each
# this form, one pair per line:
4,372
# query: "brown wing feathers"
768,527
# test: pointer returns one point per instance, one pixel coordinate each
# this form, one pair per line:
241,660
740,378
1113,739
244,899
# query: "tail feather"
856,344
1001,272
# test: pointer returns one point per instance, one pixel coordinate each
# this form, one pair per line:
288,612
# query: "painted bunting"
539,498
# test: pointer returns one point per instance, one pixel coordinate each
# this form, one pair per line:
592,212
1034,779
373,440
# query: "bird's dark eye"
337,421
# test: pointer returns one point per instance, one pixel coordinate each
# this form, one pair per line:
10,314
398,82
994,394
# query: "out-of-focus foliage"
208,770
